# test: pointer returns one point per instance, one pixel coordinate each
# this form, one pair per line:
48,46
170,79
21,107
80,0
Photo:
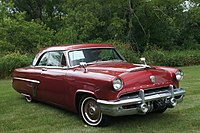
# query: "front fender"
172,72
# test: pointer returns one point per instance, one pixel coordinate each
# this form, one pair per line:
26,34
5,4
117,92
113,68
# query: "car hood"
114,68
135,76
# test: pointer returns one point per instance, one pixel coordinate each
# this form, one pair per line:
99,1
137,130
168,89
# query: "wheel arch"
80,94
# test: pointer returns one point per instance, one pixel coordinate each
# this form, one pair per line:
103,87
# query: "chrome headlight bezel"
179,75
118,84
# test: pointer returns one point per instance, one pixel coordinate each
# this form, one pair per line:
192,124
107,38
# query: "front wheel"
91,112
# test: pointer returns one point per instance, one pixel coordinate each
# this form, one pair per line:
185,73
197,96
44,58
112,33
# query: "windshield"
93,55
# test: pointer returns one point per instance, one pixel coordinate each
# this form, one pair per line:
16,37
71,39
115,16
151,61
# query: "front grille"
146,93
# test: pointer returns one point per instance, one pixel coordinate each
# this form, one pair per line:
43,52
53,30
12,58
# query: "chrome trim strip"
85,91
134,69
56,67
25,95
140,67
28,80
148,89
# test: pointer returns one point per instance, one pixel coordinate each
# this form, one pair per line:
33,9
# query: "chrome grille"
146,93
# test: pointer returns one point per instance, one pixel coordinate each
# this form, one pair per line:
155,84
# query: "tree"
16,34
47,12
141,23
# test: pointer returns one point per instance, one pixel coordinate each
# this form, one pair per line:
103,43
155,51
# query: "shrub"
24,36
5,47
29,36
11,61
172,58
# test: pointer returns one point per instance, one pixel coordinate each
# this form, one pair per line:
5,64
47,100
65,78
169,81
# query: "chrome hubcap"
91,111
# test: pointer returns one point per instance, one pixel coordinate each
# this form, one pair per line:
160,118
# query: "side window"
76,57
43,60
55,58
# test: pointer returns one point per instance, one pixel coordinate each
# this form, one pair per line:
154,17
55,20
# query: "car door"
52,85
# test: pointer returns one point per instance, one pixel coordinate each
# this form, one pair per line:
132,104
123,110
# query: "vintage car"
95,81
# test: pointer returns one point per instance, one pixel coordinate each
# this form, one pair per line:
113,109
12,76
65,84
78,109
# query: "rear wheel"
91,112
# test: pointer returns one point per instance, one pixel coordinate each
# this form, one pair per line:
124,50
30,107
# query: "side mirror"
143,60
83,64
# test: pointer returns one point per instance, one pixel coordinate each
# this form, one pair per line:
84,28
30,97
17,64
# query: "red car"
97,82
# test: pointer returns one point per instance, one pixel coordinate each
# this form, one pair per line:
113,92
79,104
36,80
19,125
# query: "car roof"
69,47
76,46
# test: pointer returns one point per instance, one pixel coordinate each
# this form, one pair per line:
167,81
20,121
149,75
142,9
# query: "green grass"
16,115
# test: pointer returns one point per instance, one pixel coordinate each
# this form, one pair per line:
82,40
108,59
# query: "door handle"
44,69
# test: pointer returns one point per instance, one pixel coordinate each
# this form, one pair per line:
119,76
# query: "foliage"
91,20
166,24
131,25
126,51
27,36
172,58
43,11
6,47
16,34
11,61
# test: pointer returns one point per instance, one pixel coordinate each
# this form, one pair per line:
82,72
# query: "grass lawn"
17,116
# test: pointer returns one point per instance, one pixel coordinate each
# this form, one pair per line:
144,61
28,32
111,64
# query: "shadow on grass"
48,106
147,120
116,123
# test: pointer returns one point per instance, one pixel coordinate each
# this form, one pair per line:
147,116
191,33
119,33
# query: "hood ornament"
143,60
153,79
139,66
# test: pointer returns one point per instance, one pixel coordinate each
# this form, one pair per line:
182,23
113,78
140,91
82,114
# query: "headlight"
118,84
179,75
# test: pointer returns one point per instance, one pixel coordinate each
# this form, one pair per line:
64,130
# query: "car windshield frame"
86,53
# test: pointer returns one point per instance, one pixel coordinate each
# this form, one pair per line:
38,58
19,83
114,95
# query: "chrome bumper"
142,103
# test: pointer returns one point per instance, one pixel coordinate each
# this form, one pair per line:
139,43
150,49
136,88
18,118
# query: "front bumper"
141,103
